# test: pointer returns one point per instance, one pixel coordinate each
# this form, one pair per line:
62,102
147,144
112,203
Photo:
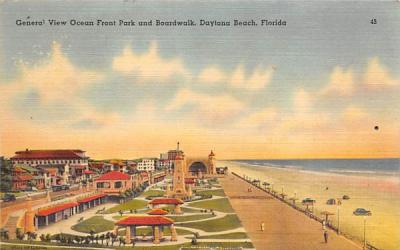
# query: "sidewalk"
285,228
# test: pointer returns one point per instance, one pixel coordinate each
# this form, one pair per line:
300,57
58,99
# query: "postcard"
199,124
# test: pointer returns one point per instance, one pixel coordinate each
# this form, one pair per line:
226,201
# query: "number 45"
373,21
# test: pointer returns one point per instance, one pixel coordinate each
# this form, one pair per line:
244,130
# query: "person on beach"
326,236
324,225
262,226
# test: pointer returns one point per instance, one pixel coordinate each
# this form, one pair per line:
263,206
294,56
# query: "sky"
315,88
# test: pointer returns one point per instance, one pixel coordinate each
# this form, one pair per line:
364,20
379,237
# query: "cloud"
341,82
55,78
377,75
205,107
260,118
148,65
302,101
258,79
212,74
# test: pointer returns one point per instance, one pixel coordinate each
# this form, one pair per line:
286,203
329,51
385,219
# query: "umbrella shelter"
327,214
156,222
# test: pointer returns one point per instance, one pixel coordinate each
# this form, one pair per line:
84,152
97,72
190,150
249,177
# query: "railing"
300,209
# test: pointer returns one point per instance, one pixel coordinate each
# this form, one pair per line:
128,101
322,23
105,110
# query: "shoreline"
285,228
373,193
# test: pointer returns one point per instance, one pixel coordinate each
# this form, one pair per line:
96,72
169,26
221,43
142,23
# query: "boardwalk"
285,228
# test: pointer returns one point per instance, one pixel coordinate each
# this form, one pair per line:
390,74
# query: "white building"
146,164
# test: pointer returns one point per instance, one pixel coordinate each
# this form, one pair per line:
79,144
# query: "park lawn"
188,245
237,235
228,222
148,231
190,217
221,205
153,192
189,210
96,223
216,192
132,204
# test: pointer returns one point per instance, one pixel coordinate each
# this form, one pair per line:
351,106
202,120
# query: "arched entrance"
197,168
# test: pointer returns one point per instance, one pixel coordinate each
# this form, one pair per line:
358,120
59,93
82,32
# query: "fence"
300,209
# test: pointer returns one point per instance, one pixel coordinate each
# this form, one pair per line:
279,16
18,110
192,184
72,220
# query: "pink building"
114,183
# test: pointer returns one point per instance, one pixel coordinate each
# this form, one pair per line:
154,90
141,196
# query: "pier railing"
305,211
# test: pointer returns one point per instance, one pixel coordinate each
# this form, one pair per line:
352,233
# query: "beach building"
114,183
146,164
156,222
50,157
157,202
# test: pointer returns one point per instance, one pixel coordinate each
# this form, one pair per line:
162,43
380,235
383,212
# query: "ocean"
339,166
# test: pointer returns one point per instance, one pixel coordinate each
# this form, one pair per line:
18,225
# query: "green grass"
117,217
190,217
228,222
132,204
237,235
153,192
95,223
148,231
189,210
200,244
221,205
217,192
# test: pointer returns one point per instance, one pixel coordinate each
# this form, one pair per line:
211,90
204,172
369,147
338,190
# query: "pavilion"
157,223
49,215
168,201
157,211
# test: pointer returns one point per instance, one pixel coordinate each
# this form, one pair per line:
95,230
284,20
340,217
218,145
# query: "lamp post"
365,239
364,214
338,219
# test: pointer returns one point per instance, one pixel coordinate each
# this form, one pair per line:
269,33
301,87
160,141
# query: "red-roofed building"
91,201
114,183
157,223
157,211
46,216
168,201
50,157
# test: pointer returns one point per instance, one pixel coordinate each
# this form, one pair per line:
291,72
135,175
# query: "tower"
178,182
211,161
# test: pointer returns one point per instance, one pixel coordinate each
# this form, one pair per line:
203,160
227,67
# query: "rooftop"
91,198
114,175
48,154
145,220
166,201
157,211
55,209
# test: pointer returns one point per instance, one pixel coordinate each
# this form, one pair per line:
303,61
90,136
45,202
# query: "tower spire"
177,148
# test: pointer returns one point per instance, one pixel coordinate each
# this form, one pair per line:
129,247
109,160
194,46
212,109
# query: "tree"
5,175
102,236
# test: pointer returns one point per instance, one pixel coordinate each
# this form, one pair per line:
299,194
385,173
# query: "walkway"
285,228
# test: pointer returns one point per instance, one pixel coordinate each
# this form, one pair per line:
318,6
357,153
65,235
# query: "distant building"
114,183
165,164
146,164
50,157
173,153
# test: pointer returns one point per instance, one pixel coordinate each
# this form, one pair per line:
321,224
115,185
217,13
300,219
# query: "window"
118,184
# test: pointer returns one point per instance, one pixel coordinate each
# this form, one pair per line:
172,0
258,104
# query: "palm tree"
102,236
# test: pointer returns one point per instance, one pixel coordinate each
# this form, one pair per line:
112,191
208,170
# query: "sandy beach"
375,193
285,228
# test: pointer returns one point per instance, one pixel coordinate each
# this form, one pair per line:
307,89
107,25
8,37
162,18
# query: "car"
362,211
9,197
346,197
331,201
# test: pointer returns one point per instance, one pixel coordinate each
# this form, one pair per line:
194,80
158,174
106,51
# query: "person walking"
324,225
262,226
326,236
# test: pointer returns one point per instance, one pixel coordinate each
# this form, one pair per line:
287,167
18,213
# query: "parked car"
361,211
346,197
9,197
331,201
57,188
